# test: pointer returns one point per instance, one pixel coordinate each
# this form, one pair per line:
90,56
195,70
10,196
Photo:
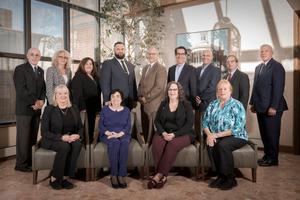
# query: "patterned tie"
123,66
229,76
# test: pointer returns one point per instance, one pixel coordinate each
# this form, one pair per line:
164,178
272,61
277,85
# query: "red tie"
229,76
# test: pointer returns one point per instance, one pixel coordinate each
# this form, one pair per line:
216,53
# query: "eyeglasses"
172,90
63,57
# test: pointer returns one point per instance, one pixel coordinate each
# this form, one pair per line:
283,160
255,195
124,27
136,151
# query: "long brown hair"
181,96
81,67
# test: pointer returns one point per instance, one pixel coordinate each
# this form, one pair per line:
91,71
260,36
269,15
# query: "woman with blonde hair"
61,130
58,73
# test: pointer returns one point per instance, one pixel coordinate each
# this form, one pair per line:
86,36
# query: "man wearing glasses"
30,96
184,74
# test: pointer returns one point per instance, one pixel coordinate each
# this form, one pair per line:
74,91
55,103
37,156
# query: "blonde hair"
55,58
225,82
56,90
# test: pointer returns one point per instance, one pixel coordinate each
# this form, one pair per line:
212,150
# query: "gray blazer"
53,79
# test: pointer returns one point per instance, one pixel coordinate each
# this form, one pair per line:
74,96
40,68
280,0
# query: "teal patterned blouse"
231,117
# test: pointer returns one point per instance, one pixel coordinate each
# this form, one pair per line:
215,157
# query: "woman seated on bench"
224,125
61,130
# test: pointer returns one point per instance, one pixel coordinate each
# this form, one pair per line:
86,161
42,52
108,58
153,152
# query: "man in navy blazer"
30,96
208,77
184,74
118,73
239,81
268,102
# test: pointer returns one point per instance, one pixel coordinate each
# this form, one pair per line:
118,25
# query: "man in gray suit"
118,73
151,91
239,81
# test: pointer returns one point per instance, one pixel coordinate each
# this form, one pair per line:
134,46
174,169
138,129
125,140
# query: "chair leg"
254,174
35,175
202,172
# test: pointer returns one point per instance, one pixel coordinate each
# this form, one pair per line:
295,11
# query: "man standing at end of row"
268,102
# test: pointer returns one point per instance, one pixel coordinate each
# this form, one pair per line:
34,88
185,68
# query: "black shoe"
262,159
23,169
268,163
122,182
114,182
66,184
56,185
217,182
228,184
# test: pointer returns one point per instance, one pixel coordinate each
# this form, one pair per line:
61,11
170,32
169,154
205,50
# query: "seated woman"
174,124
61,129
114,127
224,125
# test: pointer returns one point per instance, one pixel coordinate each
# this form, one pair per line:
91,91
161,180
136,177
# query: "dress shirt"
178,70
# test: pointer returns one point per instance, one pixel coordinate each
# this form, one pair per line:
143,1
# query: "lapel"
183,72
264,70
204,75
235,76
30,70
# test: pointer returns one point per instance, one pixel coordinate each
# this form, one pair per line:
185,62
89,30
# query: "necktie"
229,76
123,66
261,69
36,70
148,69
202,71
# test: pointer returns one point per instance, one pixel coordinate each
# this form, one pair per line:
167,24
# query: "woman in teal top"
224,125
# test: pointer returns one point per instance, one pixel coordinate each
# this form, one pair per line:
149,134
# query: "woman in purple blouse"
114,129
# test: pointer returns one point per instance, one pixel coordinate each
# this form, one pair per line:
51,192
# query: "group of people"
175,106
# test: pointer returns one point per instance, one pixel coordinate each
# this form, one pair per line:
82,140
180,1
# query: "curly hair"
181,95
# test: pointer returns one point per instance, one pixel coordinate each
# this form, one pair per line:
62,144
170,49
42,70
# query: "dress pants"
221,157
27,130
269,128
91,115
118,153
65,161
165,152
148,125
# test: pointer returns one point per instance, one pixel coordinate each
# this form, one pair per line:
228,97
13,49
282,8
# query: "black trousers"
269,128
221,156
27,130
91,115
65,161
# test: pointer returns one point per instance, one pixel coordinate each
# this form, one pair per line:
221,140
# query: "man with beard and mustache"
118,73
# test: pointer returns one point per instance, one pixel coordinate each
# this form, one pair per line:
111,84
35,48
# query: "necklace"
64,112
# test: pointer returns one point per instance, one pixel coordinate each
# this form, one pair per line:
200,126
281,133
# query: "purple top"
116,121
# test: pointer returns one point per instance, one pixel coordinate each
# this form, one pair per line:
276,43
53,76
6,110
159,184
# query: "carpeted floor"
282,182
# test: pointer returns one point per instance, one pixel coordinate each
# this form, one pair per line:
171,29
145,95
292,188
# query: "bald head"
33,55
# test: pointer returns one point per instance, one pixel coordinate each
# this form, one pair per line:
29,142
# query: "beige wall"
258,23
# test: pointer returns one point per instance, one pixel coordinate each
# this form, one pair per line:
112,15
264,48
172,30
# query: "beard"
120,56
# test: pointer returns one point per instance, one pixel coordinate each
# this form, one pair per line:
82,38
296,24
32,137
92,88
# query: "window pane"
7,88
90,4
12,26
84,35
47,27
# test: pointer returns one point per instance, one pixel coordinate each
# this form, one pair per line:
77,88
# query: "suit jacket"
268,87
241,86
184,119
152,86
29,88
207,84
187,79
86,92
52,125
113,76
53,79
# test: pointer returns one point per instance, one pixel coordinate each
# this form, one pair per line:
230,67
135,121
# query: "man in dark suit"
30,96
239,81
184,74
268,102
207,78
118,73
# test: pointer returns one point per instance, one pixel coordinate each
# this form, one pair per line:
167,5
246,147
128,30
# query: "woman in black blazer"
61,132
174,124
86,92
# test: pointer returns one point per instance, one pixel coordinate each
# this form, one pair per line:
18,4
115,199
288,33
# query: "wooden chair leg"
254,174
35,175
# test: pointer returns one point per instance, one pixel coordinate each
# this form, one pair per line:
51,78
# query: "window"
12,26
47,27
90,4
